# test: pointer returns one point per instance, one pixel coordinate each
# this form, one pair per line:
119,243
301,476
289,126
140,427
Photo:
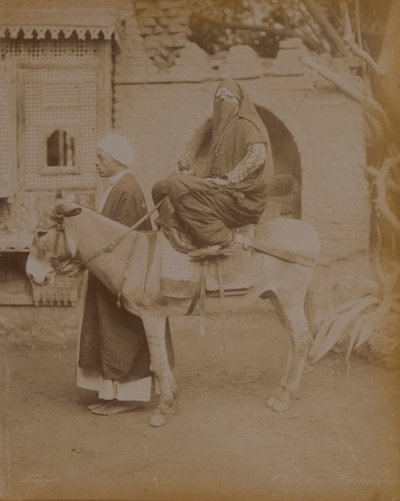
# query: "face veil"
223,114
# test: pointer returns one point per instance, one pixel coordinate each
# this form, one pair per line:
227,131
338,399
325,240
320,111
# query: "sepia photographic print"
199,250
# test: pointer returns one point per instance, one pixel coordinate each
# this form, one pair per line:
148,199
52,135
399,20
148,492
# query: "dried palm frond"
354,321
335,326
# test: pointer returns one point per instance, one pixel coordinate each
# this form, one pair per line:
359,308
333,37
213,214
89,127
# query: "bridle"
60,266
57,262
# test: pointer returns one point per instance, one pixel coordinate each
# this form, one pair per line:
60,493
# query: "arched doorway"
285,190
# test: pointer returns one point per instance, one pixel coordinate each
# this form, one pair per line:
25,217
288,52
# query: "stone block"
152,12
148,21
192,53
178,28
178,12
181,20
241,53
178,41
152,42
144,4
291,43
157,29
169,4
145,31
163,21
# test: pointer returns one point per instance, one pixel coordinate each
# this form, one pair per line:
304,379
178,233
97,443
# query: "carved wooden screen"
63,107
58,126
8,165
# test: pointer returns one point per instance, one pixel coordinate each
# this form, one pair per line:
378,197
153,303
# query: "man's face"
105,165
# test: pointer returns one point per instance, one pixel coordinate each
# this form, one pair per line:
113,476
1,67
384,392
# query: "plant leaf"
355,332
347,305
321,334
376,316
336,330
366,332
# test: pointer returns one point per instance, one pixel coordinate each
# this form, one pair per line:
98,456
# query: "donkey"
129,264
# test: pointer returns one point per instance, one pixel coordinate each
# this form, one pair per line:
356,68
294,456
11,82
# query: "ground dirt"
340,440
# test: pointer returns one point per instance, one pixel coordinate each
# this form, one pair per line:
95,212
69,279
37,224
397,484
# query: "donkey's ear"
73,212
58,193
67,209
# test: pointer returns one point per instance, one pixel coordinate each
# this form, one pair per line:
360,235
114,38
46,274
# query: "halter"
55,259
110,247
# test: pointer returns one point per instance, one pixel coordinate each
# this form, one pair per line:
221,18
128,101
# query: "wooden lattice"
7,130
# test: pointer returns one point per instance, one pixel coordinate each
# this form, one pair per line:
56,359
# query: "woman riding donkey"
239,171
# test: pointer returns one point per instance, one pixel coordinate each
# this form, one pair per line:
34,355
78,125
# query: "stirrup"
210,251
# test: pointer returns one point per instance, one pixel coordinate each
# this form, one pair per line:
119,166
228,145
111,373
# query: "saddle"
231,270
182,276
228,270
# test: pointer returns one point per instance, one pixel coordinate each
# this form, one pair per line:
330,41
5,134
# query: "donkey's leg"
289,361
155,332
292,308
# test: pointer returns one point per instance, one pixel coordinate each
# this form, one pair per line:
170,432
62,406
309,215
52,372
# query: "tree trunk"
388,61
332,35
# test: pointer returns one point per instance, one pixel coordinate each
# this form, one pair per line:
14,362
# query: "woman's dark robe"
210,210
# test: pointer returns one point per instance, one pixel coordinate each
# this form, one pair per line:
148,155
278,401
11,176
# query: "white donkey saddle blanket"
180,274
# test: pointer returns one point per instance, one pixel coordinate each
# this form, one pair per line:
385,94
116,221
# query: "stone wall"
163,109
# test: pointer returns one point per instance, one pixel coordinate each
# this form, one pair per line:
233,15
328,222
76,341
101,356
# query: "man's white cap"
119,148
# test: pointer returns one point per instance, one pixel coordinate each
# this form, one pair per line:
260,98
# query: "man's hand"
218,181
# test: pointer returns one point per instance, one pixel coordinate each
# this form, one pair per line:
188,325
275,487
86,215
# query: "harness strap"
110,247
284,254
60,229
221,284
200,290
125,274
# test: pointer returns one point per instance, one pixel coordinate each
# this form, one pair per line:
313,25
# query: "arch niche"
285,190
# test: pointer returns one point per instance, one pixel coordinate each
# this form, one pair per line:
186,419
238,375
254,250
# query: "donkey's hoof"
158,420
278,403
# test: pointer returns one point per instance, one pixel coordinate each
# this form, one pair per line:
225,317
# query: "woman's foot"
210,250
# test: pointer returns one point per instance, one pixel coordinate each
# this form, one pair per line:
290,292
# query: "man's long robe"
113,347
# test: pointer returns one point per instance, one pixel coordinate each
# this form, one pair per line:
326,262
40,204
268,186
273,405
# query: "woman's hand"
184,168
218,181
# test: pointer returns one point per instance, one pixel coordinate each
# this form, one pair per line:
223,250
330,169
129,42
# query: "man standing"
113,353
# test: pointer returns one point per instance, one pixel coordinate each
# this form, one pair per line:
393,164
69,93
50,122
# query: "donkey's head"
53,250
